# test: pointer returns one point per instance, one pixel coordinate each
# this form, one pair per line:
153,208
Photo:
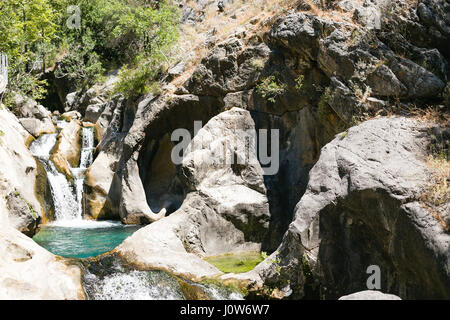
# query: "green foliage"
270,88
299,81
131,33
34,35
134,82
27,31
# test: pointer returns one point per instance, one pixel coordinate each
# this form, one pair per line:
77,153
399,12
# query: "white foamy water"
42,147
65,203
133,285
87,149
67,198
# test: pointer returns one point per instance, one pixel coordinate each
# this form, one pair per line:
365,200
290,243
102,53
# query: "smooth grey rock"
361,209
20,214
71,115
38,127
370,295
93,112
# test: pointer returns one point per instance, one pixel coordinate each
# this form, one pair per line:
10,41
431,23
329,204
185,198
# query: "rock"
158,246
109,111
21,215
18,171
370,295
66,152
100,174
227,69
93,112
28,271
419,81
38,127
226,210
134,208
301,32
28,108
71,115
362,193
177,70
99,178
70,101
365,185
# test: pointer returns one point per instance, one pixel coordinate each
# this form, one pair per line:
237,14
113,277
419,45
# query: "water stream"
70,235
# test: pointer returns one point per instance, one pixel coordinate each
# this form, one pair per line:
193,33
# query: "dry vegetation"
256,15
437,194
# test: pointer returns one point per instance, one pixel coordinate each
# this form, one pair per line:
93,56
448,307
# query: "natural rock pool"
69,235
83,239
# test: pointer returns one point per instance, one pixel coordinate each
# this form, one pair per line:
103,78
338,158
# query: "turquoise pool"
88,239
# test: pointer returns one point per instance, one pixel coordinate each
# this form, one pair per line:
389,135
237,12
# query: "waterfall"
87,151
66,207
67,199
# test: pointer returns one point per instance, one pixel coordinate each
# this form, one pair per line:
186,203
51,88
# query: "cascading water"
107,278
86,159
69,234
87,151
66,206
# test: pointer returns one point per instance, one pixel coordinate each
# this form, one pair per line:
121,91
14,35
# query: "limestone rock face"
18,170
28,271
28,108
221,163
99,176
160,246
21,216
66,152
38,127
35,118
361,208
226,209
311,77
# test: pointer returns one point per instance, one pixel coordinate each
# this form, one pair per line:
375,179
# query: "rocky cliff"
27,271
311,72
358,95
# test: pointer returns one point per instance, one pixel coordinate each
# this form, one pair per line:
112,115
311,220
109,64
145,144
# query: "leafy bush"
134,82
299,81
270,88
33,33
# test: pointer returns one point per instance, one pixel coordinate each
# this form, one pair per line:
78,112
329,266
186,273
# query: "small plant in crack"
270,88
299,82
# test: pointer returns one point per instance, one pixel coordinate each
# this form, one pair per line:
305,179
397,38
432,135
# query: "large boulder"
38,127
29,108
66,153
225,211
370,295
27,271
362,208
35,118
